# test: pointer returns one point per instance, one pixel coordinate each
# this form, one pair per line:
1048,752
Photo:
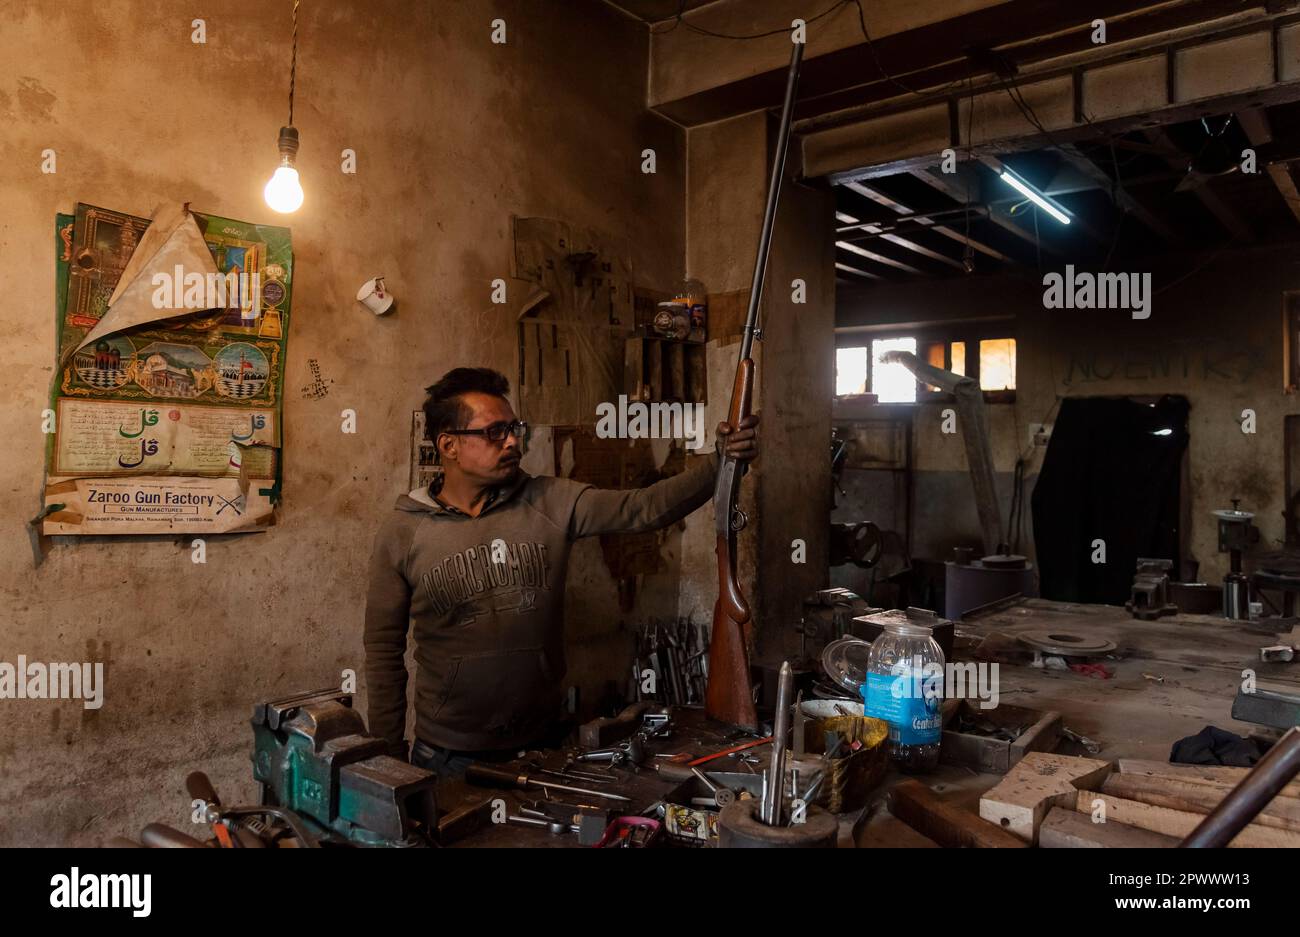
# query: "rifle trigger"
738,519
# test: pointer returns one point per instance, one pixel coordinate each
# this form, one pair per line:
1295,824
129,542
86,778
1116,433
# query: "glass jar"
904,687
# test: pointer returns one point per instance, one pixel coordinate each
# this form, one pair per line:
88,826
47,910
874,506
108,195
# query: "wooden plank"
1041,781
1064,828
1220,775
946,824
1177,823
1281,812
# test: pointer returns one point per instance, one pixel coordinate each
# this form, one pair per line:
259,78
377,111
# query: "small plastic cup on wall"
375,296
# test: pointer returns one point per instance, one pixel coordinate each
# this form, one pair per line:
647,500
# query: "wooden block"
948,825
1177,823
1220,775
1039,782
1064,828
1042,736
1197,797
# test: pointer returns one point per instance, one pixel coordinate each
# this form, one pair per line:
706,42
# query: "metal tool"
488,776
730,751
632,751
539,819
569,774
775,783
1150,597
324,781
721,795
1066,643
1091,746
1236,534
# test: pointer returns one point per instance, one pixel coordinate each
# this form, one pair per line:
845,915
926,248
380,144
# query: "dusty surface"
1199,658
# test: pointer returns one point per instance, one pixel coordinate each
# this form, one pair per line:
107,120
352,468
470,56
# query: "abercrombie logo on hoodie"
473,572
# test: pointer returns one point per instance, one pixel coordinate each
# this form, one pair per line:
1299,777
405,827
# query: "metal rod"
771,814
1244,802
773,193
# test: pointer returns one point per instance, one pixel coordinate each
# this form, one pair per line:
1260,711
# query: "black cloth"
1214,746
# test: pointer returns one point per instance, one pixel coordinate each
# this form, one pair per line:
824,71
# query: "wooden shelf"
673,371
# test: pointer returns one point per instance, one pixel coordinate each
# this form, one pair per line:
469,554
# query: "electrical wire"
293,60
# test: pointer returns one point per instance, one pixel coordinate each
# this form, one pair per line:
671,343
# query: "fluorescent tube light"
1034,196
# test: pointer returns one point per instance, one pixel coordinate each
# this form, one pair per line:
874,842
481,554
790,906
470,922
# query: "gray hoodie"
486,595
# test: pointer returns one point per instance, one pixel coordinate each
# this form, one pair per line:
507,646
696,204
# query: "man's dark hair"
445,410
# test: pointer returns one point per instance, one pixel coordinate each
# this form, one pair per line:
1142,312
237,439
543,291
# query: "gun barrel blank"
771,807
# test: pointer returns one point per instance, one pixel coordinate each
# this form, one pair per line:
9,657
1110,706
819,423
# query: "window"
892,383
998,364
972,351
850,371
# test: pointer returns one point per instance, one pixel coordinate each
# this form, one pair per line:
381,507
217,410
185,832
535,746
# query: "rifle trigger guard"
738,519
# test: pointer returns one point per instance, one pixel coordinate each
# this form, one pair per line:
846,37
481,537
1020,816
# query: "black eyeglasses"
496,432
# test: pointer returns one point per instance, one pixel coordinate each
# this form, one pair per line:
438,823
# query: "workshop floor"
1171,678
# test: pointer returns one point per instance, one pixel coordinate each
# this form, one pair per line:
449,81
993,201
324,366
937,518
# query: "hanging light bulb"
284,192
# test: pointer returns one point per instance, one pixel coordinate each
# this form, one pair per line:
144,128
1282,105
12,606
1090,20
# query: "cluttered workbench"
1035,688
680,777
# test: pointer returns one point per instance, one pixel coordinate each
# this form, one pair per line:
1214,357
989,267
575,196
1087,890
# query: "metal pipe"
773,193
771,808
1244,802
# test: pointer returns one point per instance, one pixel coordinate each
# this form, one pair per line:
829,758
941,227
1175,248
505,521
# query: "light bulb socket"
288,144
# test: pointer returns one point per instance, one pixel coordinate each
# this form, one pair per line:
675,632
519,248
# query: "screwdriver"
496,777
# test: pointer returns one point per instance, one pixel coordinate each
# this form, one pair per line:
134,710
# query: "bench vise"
311,755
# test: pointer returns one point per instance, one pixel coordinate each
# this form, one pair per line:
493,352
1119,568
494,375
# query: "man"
478,563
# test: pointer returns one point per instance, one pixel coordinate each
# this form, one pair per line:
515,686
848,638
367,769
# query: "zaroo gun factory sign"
167,397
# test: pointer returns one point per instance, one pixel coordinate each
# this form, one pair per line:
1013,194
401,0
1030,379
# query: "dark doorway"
1112,472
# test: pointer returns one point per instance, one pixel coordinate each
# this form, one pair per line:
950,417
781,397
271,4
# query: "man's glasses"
496,432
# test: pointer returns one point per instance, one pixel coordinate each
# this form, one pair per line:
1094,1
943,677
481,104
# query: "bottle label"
913,719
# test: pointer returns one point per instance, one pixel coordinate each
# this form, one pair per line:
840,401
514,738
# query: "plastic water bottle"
904,688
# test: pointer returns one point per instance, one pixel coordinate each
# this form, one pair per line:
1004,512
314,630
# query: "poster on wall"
167,397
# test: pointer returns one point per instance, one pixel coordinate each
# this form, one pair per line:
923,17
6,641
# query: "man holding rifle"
478,563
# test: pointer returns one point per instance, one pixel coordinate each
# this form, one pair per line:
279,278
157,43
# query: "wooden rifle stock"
729,696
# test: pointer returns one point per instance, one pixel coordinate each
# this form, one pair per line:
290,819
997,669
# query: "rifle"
729,696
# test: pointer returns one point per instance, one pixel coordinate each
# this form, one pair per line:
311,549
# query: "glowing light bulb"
284,193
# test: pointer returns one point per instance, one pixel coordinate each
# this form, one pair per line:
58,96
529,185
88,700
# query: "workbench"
1171,678
692,733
